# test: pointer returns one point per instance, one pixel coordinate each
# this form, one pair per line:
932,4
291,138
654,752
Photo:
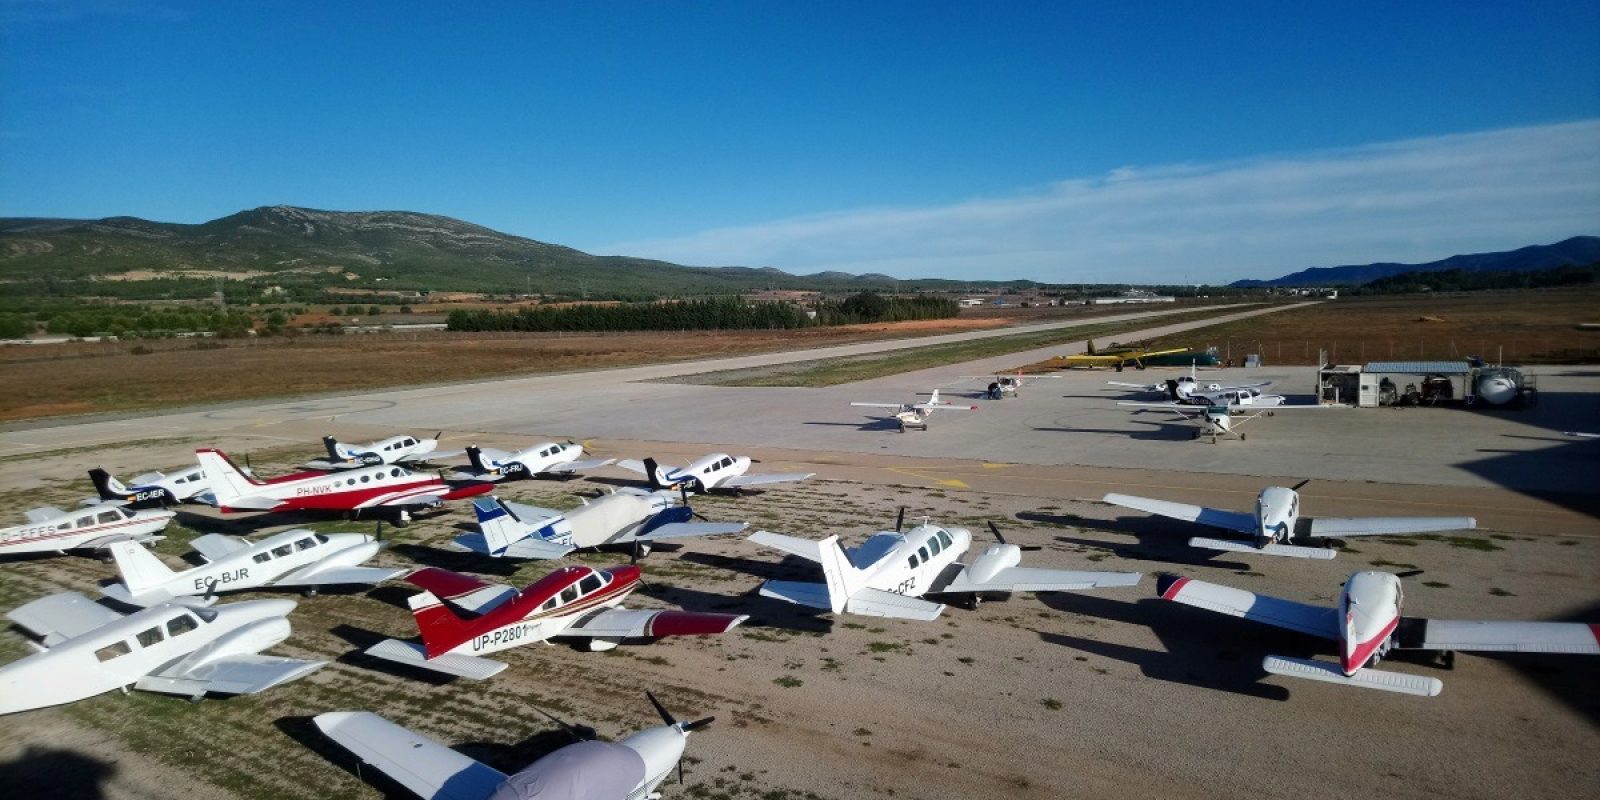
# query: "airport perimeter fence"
1533,350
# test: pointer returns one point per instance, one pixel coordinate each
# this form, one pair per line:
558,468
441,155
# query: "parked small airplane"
629,517
1218,420
1002,386
152,489
403,449
1184,388
296,558
1277,522
87,649
629,769
1367,624
549,458
1117,356
460,617
888,574
51,530
354,491
915,415
718,471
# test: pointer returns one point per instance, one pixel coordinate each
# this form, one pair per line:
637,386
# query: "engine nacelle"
994,558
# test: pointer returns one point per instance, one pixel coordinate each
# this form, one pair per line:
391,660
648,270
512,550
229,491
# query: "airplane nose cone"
626,573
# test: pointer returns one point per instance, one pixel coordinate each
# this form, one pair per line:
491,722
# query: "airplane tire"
1242,437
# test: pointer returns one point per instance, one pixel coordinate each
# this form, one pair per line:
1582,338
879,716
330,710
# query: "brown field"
1529,327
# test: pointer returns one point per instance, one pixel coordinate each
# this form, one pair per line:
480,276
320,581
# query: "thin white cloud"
1411,200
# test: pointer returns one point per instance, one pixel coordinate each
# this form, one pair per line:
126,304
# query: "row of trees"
728,313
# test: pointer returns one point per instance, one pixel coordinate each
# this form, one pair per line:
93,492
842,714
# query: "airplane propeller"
900,519
577,733
1410,573
683,492
1001,539
682,727
1296,487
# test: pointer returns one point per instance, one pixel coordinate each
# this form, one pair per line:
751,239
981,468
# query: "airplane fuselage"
538,458
79,528
909,563
267,560
348,490
544,609
707,472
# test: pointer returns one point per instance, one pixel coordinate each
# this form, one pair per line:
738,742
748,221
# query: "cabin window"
179,625
108,517
280,552
589,584
912,561
86,522
944,539
922,553
150,637
350,482
726,462
126,514
63,526
378,476
113,650
548,604
569,594
366,478
933,544
409,441
262,558
305,544
321,539
394,473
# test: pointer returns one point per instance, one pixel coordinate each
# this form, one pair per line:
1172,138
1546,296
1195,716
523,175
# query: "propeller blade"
1410,573
994,529
211,591
575,732
438,436
680,771
1296,487
691,727
900,519
660,709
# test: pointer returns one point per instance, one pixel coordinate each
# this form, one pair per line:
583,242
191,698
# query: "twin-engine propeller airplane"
628,517
1277,522
87,649
1367,624
1003,386
915,415
715,472
152,489
297,558
351,491
548,458
588,769
460,618
1187,388
51,530
888,574
1218,421
403,449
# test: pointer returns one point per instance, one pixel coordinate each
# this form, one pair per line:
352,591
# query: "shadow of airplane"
1156,540
41,772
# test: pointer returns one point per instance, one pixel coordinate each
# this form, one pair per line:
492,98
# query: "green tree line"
714,314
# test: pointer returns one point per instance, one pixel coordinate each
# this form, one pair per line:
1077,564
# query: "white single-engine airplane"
1277,522
51,530
87,649
1219,420
296,558
715,472
1367,624
630,517
403,449
548,458
915,415
629,769
888,574
350,491
152,489
460,618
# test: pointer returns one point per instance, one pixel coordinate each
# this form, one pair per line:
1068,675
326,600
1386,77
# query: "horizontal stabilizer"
803,593
1290,550
526,513
43,513
216,546
60,617
878,603
414,654
804,548
1365,678
421,765
532,549
680,530
1032,579
1389,526
119,592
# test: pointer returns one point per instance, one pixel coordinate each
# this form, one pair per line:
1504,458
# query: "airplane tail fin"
500,528
842,577
934,399
439,626
475,457
1089,351
141,570
652,473
227,482
107,487
333,448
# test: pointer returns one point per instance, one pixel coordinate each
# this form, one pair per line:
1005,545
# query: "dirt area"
1095,694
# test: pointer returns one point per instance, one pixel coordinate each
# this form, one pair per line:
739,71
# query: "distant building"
1132,296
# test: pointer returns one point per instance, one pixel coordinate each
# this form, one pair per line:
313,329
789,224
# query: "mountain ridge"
1571,252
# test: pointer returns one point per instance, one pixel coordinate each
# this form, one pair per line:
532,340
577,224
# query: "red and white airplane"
460,618
353,490
1367,624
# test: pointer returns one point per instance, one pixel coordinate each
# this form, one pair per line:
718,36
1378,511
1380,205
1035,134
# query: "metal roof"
1419,367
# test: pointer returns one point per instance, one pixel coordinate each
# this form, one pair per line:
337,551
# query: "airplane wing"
804,548
460,590
576,466
245,673
1144,387
531,547
878,603
878,405
422,765
1388,526
330,466
1503,637
761,480
632,465
944,406
623,623
1181,408
215,546
254,503
60,617
681,530
1215,517
325,575
43,513
1031,579
1315,620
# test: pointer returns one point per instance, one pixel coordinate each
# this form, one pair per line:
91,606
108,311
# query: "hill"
310,249
1577,251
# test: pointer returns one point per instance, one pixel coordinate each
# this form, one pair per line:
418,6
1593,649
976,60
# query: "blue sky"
1095,141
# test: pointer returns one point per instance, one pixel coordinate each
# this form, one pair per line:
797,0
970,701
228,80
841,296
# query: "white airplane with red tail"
352,491
1367,624
461,618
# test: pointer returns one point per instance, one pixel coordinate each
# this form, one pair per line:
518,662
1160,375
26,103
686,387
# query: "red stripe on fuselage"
1358,657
